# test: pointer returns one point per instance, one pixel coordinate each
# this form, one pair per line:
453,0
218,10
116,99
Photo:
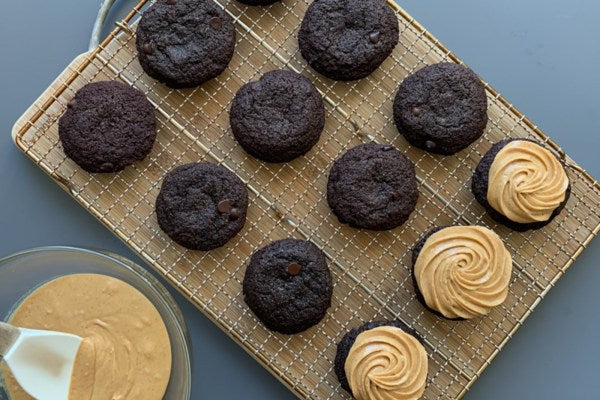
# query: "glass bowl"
23,272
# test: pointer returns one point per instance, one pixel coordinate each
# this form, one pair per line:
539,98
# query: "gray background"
543,55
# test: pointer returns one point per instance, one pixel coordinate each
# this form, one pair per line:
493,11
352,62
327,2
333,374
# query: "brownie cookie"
107,126
526,183
461,272
376,356
441,108
201,205
258,2
184,43
372,186
288,285
348,39
279,117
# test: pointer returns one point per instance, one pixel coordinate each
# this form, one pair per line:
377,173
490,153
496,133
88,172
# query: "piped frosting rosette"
526,182
386,363
463,271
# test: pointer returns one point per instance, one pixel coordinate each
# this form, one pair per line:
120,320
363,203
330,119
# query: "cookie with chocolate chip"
348,40
107,126
372,186
288,285
184,43
201,206
279,117
441,108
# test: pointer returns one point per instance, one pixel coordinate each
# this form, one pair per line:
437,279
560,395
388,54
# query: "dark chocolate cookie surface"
288,285
344,346
372,186
441,108
107,126
184,43
479,186
201,206
279,117
348,39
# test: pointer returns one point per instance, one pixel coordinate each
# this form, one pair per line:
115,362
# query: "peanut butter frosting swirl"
463,271
526,182
386,363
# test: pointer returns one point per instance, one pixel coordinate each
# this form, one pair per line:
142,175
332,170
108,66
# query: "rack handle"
105,7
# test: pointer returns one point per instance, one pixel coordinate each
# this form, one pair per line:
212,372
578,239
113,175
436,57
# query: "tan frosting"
125,353
526,182
386,363
463,271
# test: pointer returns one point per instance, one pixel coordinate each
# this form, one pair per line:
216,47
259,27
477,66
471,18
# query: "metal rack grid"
371,269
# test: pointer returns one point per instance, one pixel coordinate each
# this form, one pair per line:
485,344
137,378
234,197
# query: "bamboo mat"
371,269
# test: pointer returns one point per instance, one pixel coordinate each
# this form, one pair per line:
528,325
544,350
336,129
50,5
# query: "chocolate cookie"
441,108
348,39
107,126
201,205
258,2
288,285
279,117
372,186
531,190
344,346
184,43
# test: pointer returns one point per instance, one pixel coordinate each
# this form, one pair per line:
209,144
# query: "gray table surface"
543,55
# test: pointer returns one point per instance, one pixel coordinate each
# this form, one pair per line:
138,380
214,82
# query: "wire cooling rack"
371,269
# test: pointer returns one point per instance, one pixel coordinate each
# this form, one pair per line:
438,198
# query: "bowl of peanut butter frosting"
135,343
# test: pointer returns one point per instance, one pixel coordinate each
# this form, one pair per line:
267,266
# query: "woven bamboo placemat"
371,269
